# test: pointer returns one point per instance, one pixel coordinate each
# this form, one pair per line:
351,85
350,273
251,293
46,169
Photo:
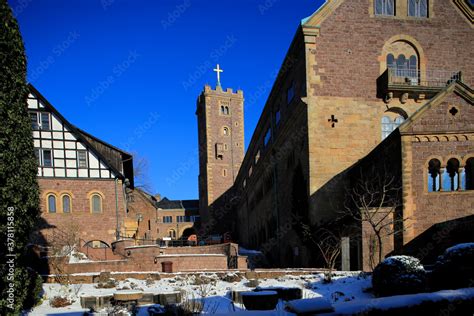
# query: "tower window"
226,131
418,8
225,110
384,7
434,172
224,172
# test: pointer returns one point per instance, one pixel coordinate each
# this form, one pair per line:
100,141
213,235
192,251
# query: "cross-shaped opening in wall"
453,111
333,121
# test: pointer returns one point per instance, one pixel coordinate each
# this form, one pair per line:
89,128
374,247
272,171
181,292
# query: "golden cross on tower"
218,70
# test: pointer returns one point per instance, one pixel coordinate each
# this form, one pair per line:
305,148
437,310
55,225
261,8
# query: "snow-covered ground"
346,286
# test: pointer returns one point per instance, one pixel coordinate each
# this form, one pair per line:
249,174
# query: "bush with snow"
398,275
455,268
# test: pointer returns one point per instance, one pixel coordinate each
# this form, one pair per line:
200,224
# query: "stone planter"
262,300
284,293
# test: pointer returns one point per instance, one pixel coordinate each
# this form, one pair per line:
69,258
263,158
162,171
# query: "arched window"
96,203
403,67
434,171
384,7
389,125
51,203
468,183
226,131
66,203
172,233
418,8
451,176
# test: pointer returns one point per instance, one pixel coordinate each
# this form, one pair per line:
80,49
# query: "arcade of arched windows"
451,175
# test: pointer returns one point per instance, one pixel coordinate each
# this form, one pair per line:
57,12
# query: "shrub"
398,275
59,301
455,268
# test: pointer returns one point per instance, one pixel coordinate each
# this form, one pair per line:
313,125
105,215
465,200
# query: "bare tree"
328,243
61,247
140,172
374,200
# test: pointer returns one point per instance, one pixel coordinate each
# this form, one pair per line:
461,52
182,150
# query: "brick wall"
91,226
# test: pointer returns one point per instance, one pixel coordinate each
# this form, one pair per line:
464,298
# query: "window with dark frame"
51,203
45,122
34,121
66,202
418,8
47,158
82,158
384,7
96,201
290,93
268,136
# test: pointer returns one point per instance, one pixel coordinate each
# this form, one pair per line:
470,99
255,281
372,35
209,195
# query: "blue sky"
129,72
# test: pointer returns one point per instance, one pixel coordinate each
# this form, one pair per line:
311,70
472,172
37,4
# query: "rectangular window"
45,122
34,121
290,93
277,117
418,8
268,136
384,7
82,159
167,219
47,158
181,219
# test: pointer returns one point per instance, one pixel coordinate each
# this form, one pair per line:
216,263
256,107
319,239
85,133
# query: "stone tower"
221,143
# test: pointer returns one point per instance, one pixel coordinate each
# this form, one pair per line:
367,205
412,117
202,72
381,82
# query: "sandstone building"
364,82
221,143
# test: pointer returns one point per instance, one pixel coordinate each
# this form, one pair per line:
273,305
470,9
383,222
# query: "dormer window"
385,7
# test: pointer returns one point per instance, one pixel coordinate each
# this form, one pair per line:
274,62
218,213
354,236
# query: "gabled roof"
75,131
321,13
458,87
167,204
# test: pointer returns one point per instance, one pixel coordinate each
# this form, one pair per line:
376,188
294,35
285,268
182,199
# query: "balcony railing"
412,83
414,78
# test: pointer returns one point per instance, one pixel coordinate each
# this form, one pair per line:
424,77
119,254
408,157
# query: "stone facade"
325,113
